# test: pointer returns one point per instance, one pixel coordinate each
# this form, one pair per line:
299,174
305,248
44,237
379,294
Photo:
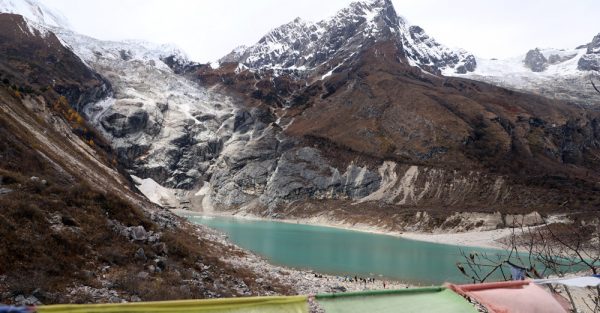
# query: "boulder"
469,64
135,298
153,237
26,301
114,299
161,263
140,255
4,191
138,233
143,275
160,248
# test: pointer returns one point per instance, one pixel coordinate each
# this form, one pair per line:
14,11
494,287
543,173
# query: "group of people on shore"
356,279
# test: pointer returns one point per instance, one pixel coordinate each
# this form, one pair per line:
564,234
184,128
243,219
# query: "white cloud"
207,30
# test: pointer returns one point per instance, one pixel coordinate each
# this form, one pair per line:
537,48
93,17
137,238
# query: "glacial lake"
345,252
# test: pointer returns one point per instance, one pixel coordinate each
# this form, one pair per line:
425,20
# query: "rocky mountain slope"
359,126
376,137
73,229
380,141
563,74
347,117
161,124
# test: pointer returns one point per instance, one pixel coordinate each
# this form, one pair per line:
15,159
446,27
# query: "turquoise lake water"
344,252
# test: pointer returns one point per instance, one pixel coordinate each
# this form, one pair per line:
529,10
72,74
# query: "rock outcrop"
535,60
591,60
424,51
162,125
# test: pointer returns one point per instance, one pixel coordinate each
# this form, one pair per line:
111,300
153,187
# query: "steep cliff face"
162,125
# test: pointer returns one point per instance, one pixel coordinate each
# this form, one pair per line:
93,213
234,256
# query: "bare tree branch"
557,252
591,81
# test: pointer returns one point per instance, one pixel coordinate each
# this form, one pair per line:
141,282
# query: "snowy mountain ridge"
88,48
34,12
302,45
43,19
558,73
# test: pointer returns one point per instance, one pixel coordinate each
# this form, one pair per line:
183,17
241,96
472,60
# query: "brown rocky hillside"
72,228
441,145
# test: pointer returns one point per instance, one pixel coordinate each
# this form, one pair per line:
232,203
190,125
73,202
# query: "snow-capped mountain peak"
34,12
372,11
423,50
304,46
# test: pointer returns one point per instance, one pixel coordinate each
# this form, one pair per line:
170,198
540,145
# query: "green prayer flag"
417,300
292,304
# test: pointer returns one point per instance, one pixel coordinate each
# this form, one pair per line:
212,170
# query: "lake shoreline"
304,281
309,281
489,239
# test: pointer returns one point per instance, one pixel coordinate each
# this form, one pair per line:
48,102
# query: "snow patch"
205,192
328,73
155,192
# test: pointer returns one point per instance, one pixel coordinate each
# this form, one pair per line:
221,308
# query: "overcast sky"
207,30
